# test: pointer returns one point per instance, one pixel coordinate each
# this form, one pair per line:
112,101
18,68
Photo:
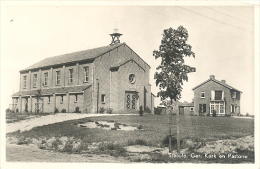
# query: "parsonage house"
112,76
216,95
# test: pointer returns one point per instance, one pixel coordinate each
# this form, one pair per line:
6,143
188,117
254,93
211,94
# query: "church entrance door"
130,101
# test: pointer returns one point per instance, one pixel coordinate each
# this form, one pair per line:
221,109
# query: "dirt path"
18,153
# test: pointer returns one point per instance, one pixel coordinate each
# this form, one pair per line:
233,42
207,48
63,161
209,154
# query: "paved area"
26,125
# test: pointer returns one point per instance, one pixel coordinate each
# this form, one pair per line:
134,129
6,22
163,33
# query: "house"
186,108
216,95
112,76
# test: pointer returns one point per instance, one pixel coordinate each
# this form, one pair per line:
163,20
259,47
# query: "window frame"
202,97
103,98
86,74
35,77
24,81
58,77
46,78
61,99
49,100
234,93
76,98
71,76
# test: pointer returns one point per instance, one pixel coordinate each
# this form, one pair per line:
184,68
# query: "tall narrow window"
70,75
49,99
86,73
76,98
24,82
61,99
46,79
57,77
234,95
35,80
218,95
103,98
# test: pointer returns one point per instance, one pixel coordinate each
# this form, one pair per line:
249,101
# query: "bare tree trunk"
178,129
170,131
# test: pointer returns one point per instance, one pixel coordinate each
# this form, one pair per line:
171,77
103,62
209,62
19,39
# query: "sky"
222,38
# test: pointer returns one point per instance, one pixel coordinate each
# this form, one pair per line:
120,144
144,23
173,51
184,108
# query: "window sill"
85,82
75,102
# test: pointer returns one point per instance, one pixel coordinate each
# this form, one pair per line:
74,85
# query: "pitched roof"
73,57
216,81
53,90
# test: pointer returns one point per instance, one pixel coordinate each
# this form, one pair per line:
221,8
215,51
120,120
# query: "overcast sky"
222,38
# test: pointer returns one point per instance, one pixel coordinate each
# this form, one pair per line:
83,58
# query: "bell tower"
115,37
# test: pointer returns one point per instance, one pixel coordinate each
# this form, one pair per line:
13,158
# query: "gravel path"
26,125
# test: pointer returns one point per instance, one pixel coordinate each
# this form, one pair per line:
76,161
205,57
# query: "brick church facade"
112,76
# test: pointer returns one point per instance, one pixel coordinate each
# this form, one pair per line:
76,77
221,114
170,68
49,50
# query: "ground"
197,133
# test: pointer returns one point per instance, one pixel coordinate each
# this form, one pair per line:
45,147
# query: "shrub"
77,110
63,111
17,110
147,109
157,111
112,149
137,142
86,110
109,110
165,142
247,114
56,110
141,112
8,110
101,110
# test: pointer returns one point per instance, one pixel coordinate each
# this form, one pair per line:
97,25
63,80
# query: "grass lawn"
156,127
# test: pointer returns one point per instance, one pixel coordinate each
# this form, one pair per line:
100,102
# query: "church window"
70,75
132,78
86,73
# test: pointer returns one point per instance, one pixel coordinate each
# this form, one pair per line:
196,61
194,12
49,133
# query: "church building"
110,77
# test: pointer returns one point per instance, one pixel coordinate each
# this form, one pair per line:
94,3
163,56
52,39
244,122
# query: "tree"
172,71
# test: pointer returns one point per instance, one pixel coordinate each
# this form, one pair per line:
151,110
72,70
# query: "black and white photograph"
129,82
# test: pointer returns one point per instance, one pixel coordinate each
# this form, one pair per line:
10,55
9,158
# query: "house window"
218,95
103,98
202,108
16,100
35,80
61,99
192,109
76,98
86,73
234,95
24,82
202,94
57,77
212,108
45,79
131,78
221,108
70,75
49,99
233,110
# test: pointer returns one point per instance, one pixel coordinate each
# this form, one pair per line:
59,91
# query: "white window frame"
234,93
214,104
103,98
202,97
35,76
58,76
86,73
24,81
70,76
46,78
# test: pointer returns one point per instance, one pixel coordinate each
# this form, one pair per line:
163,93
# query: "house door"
26,105
130,101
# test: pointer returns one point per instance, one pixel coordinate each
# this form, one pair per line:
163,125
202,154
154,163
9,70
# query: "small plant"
247,114
63,111
8,110
77,110
141,112
17,110
109,110
140,127
147,109
86,110
157,111
56,110
101,110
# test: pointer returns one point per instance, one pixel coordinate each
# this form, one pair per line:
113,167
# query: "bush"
141,112
157,111
112,149
86,110
147,109
17,110
247,114
63,111
165,142
109,110
56,110
8,110
77,110
137,142
101,110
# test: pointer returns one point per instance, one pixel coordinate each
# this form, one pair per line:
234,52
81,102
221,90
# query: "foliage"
112,149
77,110
109,110
141,112
157,111
56,110
63,111
172,71
247,114
8,110
101,110
38,97
166,140
17,110
86,110
147,109
137,142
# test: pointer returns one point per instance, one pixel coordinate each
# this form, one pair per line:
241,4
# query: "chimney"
212,77
223,81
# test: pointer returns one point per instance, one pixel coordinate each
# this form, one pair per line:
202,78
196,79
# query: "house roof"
53,90
73,57
121,63
216,81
